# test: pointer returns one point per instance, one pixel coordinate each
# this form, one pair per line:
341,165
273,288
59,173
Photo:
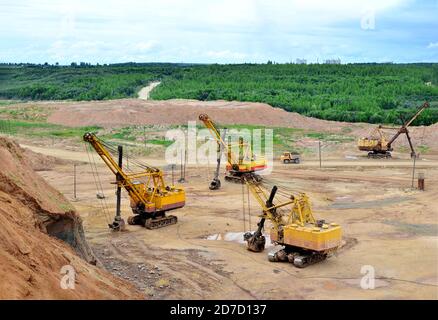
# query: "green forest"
77,82
375,93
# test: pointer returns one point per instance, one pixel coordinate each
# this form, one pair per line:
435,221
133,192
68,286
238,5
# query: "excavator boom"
404,128
123,179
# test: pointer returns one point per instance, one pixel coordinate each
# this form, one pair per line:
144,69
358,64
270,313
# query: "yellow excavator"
237,167
150,197
379,146
303,240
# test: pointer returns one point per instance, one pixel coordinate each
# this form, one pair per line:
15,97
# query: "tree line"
375,93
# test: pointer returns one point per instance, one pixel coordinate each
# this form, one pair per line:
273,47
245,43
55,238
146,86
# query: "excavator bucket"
215,184
117,225
255,243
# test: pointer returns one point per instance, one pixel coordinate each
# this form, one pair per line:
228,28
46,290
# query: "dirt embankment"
175,112
40,234
128,112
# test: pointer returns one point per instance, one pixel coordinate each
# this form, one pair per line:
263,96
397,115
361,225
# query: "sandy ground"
386,225
144,92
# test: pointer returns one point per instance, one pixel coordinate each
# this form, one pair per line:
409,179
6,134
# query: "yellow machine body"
322,239
372,144
161,200
248,166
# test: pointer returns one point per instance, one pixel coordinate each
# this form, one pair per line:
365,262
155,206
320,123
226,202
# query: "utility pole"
413,173
185,164
74,181
127,159
421,181
181,169
118,223
319,148
182,179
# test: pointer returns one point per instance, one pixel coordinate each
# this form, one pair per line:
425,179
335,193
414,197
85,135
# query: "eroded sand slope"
32,214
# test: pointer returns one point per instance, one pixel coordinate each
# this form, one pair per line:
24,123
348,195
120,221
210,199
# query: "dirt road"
144,92
430,162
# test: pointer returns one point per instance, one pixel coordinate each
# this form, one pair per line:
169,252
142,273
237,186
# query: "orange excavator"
245,165
302,239
379,146
149,195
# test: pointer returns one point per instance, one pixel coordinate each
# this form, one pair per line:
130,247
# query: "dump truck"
290,157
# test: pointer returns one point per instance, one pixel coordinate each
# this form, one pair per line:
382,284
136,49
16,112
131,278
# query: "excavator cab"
158,199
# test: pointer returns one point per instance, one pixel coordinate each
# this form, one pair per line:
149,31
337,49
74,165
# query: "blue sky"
227,31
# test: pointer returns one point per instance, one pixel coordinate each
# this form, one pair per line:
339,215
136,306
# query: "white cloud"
190,30
145,46
227,54
91,51
100,17
432,45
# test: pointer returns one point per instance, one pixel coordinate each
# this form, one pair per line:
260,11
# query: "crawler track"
160,222
299,258
152,223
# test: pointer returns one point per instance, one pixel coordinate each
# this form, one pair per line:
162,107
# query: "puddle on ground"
235,237
414,229
348,204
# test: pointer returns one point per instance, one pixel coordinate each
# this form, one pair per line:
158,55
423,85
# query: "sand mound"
35,218
173,112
